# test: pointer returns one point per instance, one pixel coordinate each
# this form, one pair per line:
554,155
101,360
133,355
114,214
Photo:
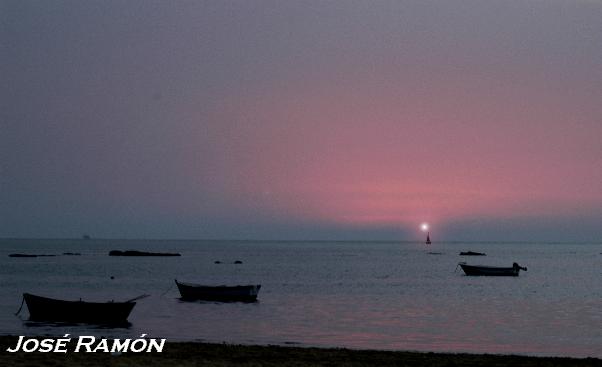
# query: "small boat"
492,270
472,253
428,238
222,293
55,310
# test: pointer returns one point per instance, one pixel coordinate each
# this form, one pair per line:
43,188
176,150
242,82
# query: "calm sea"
345,294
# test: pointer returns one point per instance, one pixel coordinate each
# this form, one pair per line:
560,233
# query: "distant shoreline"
414,241
211,354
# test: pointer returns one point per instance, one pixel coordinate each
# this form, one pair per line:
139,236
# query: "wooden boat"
428,238
492,270
50,309
222,293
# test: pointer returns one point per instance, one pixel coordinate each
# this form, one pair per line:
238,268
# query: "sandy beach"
204,354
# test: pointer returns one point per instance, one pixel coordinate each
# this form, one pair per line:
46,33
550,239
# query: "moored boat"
222,293
55,310
492,270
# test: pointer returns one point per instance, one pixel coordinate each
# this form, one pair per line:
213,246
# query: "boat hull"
475,270
239,293
54,310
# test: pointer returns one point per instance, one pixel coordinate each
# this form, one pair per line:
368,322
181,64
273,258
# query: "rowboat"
492,270
50,309
221,293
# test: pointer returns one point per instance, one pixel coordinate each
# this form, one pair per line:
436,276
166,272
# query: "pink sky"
401,149
303,119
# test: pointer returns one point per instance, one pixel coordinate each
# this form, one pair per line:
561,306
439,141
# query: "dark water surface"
347,294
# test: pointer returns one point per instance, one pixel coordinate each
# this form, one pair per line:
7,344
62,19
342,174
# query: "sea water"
366,295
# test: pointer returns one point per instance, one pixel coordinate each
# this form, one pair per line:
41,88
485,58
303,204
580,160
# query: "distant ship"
428,238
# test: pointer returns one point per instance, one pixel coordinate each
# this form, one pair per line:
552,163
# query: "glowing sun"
424,227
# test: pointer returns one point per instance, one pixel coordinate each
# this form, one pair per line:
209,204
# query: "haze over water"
377,295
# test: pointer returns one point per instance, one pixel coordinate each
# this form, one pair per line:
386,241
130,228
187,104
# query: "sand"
204,354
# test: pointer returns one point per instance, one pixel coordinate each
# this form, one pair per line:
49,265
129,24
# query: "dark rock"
140,253
29,255
22,255
472,253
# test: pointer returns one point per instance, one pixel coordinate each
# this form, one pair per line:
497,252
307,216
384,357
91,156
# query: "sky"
348,120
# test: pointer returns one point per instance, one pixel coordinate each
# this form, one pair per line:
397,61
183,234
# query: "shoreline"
213,354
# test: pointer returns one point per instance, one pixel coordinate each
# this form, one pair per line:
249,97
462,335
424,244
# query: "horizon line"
596,242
